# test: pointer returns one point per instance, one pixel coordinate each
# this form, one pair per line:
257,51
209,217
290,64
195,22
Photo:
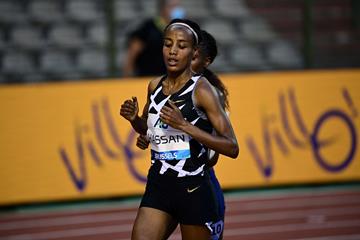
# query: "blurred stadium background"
60,64
43,40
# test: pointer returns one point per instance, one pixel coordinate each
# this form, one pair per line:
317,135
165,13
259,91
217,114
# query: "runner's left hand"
172,116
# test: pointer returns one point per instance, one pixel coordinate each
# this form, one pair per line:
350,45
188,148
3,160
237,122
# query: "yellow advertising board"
67,141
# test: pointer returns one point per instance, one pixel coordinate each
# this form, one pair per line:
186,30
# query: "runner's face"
198,63
178,49
200,60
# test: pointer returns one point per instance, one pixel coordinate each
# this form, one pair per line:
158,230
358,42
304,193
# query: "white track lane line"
333,237
65,221
80,232
339,237
286,194
310,214
65,211
290,228
293,203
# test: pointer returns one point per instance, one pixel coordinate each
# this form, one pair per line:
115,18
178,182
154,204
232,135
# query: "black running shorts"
190,200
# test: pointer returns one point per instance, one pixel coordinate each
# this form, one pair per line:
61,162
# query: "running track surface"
309,214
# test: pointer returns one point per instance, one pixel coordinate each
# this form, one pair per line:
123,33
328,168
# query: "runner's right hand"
130,109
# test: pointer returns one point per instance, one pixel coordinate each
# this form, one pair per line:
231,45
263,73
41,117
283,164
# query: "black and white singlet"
173,152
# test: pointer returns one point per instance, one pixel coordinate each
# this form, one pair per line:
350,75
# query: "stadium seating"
11,12
27,37
17,63
45,11
93,62
66,39
84,10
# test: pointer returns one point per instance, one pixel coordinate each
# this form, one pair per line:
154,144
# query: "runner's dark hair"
208,48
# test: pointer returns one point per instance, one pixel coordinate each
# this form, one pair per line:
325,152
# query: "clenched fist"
130,109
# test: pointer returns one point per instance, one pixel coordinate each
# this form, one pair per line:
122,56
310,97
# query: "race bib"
169,144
